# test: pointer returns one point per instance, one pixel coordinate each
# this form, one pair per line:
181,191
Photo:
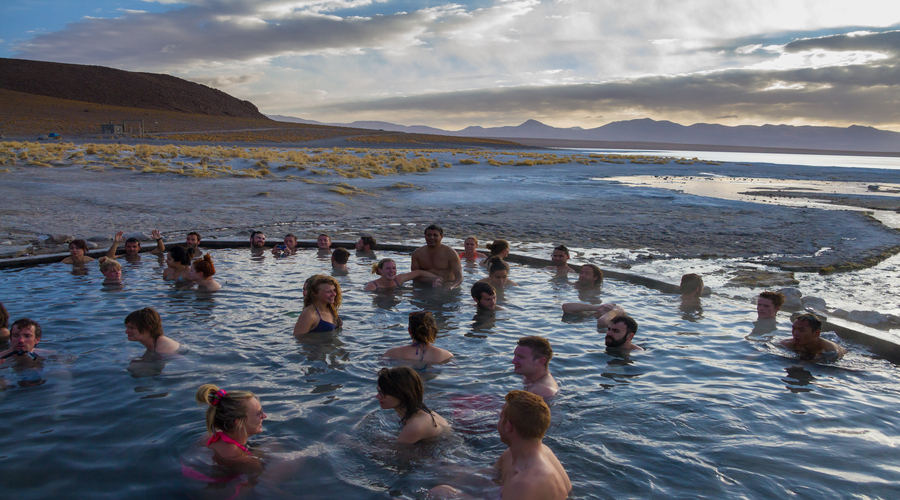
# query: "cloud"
227,81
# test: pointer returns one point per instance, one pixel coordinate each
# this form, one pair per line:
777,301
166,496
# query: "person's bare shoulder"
544,391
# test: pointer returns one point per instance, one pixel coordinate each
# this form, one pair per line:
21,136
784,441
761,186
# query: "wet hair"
194,233
254,233
528,413
598,274
180,255
340,255
133,240
472,238
312,290
497,247
146,320
690,283
495,263
226,409
814,321
422,327
4,316
378,266
79,244
631,325
107,264
369,240
777,298
22,323
403,383
435,227
564,249
205,266
480,288
540,347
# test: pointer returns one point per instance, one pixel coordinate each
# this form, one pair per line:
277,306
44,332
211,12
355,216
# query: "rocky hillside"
113,87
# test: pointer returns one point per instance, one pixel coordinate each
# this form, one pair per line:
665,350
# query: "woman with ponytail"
386,269
202,271
423,331
231,418
499,248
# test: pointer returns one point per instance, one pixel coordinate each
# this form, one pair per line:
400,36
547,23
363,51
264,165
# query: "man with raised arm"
531,360
528,469
132,247
806,342
438,258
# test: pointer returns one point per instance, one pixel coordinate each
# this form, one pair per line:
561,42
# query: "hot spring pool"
704,412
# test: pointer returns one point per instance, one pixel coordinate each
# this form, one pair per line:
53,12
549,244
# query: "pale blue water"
703,413
806,160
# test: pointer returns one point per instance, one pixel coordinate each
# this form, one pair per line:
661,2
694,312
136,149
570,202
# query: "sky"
451,64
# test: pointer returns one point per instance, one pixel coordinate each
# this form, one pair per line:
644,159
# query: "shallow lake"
709,410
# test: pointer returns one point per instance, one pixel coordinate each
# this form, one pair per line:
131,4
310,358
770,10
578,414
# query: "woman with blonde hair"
202,271
320,306
231,418
111,269
423,332
471,252
400,389
386,269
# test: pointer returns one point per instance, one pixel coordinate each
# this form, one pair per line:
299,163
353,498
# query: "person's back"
542,477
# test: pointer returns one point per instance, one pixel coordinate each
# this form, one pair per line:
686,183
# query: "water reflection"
324,347
149,364
798,379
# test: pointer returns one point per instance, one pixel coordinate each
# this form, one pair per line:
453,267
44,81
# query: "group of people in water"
528,468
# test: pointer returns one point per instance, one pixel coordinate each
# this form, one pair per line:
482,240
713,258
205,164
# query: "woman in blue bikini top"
320,306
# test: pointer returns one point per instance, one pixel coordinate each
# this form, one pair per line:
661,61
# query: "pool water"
707,411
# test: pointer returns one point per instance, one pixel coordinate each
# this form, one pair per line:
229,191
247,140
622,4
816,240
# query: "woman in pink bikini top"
231,418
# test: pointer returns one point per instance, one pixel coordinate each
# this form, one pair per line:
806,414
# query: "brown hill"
113,87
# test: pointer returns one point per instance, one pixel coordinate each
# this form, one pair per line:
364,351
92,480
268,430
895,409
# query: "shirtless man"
768,304
485,297
691,288
604,312
257,240
288,246
323,242
132,247
339,259
620,332
24,335
531,360
528,469
806,342
560,258
365,246
437,258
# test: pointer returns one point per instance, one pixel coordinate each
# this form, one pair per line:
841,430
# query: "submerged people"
620,332
560,258
423,331
339,259
531,360
590,276
111,270
4,323
438,258
768,304
231,418
178,264
287,247
24,335
485,297
471,253
202,271
145,326
498,273
386,269
77,250
257,240
498,248
365,244
528,469
806,341
400,389
691,288
320,306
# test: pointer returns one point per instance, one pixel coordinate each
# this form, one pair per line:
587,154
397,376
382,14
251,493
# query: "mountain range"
646,131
